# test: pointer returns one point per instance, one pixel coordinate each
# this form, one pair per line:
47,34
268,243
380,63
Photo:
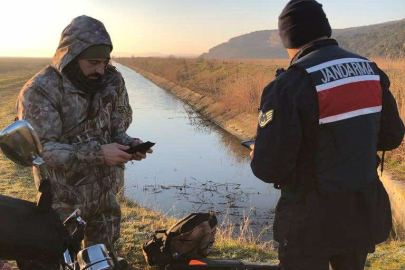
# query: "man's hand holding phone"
114,154
139,149
252,147
249,145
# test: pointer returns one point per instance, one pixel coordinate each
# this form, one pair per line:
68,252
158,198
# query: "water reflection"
228,142
196,166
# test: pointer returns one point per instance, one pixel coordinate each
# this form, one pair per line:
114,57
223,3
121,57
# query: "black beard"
81,81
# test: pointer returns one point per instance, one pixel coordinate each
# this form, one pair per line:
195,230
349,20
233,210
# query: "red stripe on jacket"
349,97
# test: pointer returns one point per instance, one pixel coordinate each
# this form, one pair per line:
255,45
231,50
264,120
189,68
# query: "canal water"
196,166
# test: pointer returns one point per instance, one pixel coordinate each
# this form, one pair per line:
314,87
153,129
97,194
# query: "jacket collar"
313,46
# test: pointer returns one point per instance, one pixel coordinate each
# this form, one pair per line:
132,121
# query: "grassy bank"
138,222
236,85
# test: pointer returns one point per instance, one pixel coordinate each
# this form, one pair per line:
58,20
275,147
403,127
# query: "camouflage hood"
80,34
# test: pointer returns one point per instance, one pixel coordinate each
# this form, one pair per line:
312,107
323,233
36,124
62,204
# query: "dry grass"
236,83
139,223
395,69
13,66
388,256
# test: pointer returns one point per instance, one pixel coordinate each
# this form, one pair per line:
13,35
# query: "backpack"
190,238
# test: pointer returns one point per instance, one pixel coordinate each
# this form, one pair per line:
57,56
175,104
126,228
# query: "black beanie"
301,22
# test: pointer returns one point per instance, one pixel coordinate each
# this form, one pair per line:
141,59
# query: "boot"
122,263
119,262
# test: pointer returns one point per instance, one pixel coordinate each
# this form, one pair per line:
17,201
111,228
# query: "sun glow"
160,27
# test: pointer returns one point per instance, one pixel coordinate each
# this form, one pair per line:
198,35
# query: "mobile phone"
143,147
247,144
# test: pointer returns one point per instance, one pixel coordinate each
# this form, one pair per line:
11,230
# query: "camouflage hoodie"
71,125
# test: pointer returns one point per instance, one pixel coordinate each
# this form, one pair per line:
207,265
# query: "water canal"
196,166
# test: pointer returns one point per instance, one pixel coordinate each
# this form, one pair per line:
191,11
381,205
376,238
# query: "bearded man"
79,107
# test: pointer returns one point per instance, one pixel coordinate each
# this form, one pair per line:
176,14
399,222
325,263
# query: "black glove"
279,71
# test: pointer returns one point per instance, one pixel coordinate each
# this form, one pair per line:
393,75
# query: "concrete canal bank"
396,192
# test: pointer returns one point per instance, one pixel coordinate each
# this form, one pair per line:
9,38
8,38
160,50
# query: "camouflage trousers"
98,205
103,217
118,186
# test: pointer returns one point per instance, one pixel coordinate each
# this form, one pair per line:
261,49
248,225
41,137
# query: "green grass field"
138,222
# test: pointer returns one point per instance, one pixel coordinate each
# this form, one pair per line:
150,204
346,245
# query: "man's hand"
114,154
138,155
251,152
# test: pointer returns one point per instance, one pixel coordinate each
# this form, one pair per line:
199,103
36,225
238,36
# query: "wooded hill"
385,40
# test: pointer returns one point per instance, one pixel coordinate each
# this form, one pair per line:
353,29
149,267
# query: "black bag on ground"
27,234
190,238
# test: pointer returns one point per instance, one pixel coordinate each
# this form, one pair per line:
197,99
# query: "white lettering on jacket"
342,71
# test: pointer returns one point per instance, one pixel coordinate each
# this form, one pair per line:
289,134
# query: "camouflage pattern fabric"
72,126
125,112
103,217
118,186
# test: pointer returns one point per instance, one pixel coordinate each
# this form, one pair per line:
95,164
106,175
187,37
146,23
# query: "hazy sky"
33,27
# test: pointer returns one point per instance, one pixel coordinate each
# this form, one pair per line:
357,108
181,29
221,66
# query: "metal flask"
95,258
20,143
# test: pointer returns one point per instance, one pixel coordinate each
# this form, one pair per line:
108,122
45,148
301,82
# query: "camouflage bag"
191,238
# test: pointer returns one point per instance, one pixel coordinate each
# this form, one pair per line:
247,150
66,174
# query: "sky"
32,28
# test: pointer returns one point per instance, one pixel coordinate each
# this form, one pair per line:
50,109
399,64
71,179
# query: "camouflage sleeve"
37,108
124,108
123,116
118,131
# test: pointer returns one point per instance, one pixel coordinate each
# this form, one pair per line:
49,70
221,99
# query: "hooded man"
79,107
321,123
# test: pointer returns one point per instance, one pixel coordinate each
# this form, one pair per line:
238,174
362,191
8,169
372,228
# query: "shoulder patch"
265,118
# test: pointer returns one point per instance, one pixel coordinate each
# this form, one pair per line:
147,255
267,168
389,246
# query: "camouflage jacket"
72,126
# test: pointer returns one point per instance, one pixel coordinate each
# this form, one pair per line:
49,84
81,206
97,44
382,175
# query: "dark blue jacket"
321,124
325,125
